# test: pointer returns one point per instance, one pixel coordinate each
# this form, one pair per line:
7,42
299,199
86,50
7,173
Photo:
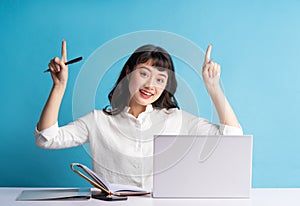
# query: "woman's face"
146,84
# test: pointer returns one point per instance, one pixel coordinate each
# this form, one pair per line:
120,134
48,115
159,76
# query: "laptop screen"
202,166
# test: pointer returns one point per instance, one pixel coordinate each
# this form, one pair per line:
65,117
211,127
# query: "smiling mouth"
146,93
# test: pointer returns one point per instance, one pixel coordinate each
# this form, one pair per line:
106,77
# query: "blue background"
256,42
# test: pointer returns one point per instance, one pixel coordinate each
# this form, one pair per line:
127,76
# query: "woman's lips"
145,94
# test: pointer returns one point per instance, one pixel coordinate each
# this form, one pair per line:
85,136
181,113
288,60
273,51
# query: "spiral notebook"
105,187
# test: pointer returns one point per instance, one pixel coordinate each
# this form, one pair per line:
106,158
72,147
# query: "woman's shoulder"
174,112
100,113
184,114
169,111
94,114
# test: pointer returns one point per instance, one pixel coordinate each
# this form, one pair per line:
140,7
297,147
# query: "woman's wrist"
213,89
59,87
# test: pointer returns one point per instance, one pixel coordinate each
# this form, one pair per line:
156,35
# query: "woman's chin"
144,102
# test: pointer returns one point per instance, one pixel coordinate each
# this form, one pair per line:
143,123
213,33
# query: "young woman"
142,104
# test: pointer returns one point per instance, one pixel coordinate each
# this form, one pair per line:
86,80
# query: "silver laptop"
202,166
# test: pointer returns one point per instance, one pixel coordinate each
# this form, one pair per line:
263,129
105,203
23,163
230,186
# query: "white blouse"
121,145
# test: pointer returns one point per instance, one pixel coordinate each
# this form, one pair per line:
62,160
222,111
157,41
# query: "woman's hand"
210,71
58,69
59,74
211,77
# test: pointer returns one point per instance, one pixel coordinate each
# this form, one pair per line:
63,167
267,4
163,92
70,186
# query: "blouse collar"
149,108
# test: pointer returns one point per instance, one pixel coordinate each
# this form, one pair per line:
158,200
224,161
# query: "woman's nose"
150,82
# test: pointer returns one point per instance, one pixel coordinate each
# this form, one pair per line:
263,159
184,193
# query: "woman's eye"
160,81
143,74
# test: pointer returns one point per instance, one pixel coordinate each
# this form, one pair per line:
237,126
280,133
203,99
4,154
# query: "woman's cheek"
159,91
134,85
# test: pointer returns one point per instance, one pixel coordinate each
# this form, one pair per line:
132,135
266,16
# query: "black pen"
69,62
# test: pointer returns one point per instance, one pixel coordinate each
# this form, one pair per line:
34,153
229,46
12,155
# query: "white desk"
259,197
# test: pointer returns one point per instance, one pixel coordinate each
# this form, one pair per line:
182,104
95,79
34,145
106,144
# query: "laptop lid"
202,166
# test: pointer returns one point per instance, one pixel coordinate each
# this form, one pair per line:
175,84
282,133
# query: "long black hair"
119,96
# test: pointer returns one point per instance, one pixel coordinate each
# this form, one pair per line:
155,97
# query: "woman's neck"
136,110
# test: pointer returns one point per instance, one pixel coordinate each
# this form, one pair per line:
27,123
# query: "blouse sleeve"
230,130
201,126
70,135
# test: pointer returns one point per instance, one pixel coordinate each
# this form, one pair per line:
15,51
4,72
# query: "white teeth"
146,93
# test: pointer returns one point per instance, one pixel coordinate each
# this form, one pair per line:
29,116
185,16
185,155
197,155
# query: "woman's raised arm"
59,74
211,76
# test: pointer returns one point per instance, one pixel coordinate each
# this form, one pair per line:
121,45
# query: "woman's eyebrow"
144,67
161,74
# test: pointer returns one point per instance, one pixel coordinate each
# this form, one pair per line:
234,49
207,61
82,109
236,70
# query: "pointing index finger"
207,54
64,50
